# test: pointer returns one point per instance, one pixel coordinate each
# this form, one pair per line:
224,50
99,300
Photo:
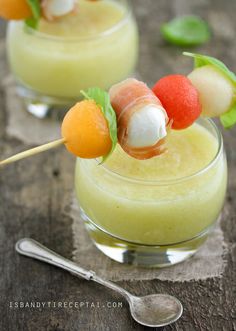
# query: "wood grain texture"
35,194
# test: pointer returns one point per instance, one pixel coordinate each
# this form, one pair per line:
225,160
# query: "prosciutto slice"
127,98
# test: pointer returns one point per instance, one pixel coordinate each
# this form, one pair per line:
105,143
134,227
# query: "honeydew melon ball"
215,90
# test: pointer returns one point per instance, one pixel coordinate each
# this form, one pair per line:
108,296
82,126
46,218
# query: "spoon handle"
32,248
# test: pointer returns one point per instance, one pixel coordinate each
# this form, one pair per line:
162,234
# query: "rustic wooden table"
34,195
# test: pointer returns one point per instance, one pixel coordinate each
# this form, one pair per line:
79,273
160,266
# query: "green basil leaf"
203,60
33,21
186,31
228,119
102,99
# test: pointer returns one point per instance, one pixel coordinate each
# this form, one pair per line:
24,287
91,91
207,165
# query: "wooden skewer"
33,151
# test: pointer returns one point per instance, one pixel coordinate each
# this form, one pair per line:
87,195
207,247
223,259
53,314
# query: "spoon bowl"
155,310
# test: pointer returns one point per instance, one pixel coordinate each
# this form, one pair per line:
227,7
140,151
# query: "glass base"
142,255
42,106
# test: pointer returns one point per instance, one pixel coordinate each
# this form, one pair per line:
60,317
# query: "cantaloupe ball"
15,9
86,131
215,90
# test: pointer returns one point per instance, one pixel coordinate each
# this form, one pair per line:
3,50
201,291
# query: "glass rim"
98,35
166,182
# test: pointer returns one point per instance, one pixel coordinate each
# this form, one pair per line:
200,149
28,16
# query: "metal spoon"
152,310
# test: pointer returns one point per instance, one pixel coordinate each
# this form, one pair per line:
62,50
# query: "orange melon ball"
15,9
86,131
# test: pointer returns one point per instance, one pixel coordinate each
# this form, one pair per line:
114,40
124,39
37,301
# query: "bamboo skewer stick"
33,151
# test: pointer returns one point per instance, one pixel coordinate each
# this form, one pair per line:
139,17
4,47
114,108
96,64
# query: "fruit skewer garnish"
33,151
89,129
141,119
32,10
216,85
53,9
15,9
208,91
180,99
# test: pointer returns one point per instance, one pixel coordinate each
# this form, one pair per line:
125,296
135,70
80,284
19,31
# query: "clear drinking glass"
149,222
51,70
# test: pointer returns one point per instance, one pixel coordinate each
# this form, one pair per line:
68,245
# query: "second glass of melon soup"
97,46
159,211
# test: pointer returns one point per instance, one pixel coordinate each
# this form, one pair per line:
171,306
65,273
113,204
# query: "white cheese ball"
146,126
215,90
56,8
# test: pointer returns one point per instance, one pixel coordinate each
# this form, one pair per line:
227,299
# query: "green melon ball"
215,90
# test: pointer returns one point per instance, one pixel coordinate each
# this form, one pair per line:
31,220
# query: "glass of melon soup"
98,46
159,211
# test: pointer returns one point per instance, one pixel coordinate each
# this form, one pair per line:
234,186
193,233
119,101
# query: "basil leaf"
228,119
33,21
186,31
102,99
